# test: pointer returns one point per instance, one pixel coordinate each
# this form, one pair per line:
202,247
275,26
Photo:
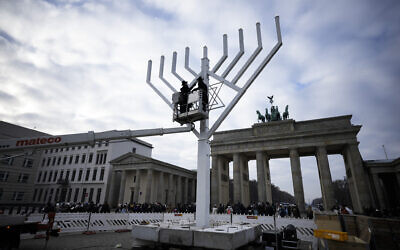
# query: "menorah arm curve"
148,80
237,57
173,68
187,67
161,75
224,55
243,90
252,57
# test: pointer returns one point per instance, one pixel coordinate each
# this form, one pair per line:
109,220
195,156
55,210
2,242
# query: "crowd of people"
260,208
154,208
255,208
77,207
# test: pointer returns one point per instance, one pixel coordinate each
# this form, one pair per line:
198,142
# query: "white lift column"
203,161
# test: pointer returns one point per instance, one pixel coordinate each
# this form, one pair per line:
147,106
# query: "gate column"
261,183
236,178
357,176
244,175
223,168
215,187
325,178
268,180
297,180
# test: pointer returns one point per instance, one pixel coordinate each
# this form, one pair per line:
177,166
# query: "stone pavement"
101,240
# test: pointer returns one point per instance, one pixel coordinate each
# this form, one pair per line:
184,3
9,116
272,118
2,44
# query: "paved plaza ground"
107,240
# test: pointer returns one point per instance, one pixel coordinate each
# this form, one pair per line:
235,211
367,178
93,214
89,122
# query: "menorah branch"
173,68
237,57
187,67
239,95
161,75
224,55
148,80
252,57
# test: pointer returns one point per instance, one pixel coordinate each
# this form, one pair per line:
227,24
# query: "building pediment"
130,158
131,161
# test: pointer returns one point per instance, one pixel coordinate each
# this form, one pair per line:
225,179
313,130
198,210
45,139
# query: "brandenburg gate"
292,139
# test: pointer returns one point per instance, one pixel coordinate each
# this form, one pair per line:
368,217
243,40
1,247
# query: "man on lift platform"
190,104
184,94
183,97
203,88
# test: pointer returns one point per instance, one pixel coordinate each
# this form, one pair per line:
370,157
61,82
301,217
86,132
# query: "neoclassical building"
385,179
142,179
81,173
289,139
17,169
67,173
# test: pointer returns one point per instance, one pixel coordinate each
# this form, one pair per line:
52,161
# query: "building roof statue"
275,115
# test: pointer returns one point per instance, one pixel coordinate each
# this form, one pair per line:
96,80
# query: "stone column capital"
262,154
351,144
293,152
321,149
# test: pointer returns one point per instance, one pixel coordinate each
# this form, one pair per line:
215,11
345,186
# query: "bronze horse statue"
267,116
260,116
286,113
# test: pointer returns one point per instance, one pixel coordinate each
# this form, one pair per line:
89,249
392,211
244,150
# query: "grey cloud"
7,38
8,99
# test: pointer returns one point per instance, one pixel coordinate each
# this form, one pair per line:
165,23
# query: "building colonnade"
139,179
289,139
359,191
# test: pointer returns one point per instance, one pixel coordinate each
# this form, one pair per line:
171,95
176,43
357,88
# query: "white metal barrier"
176,217
80,222
72,222
220,218
137,218
305,228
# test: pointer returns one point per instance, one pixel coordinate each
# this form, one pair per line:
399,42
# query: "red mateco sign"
252,217
38,141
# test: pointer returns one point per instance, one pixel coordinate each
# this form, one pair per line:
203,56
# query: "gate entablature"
277,138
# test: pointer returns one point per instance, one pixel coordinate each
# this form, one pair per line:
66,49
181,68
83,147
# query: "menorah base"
228,236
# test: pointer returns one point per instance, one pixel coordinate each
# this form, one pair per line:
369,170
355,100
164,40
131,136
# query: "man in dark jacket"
183,98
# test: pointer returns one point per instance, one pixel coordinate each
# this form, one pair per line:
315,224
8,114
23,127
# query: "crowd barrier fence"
81,222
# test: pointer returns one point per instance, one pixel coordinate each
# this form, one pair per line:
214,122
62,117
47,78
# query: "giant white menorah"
201,113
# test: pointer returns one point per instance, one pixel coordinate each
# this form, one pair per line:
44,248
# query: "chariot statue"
274,114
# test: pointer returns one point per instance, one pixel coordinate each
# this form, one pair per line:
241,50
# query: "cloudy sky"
74,66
